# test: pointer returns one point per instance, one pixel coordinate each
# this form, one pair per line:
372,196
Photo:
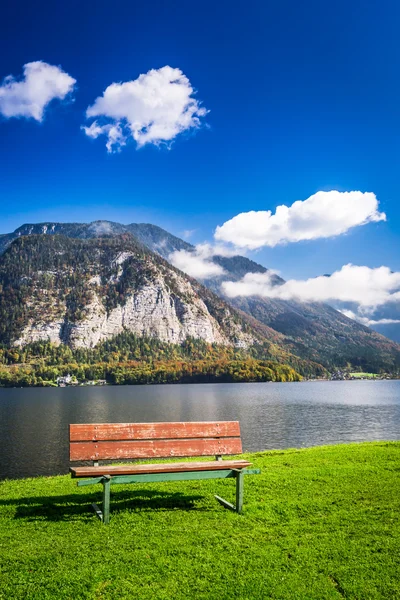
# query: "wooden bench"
121,441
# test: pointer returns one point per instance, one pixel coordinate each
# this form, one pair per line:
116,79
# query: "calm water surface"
34,422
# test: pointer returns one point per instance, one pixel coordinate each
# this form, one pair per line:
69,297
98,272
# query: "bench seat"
180,467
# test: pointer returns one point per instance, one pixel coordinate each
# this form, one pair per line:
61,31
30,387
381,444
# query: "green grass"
365,375
317,523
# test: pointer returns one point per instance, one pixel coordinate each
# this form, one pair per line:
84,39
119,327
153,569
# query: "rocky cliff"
80,292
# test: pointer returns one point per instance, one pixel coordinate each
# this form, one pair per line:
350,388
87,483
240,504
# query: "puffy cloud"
116,138
152,109
366,321
198,263
29,97
94,130
195,265
209,250
365,286
325,214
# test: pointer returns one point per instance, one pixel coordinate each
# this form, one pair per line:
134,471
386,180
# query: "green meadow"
318,523
360,375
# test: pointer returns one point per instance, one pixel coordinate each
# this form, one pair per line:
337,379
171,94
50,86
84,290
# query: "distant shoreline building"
67,380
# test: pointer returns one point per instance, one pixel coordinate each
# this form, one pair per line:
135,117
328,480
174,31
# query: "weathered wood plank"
121,450
148,431
159,468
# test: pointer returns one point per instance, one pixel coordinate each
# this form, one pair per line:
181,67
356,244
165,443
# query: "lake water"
34,422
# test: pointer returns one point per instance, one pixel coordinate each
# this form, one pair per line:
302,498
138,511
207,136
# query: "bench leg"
239,491
97,511
239,476
106,500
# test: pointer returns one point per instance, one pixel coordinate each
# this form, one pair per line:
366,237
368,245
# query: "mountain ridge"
313,331
81,293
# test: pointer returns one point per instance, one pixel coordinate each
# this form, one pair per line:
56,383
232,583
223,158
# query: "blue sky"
302,97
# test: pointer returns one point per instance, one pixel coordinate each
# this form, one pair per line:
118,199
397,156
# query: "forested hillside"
77,303
66,281
128,359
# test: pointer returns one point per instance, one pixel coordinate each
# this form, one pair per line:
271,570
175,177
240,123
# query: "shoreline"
171,383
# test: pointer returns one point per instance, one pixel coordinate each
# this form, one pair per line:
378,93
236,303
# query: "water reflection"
34,422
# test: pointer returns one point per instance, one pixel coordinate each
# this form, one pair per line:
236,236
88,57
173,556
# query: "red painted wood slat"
158,468
147,431
153,449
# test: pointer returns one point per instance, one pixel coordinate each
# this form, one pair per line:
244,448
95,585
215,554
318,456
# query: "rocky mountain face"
82,291
312,331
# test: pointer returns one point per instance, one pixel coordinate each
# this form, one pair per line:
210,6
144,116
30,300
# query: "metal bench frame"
143,440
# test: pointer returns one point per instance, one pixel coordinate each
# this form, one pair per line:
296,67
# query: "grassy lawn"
364,375
317,523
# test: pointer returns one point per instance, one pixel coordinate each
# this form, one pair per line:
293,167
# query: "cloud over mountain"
366,320
152,109
30,96
198,263
322,215
194,265
362,285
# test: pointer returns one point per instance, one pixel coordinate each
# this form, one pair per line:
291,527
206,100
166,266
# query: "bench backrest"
120,441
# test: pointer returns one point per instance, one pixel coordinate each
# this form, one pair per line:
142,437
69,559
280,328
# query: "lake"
34,422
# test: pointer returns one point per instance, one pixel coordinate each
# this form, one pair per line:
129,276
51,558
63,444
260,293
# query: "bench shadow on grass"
78,506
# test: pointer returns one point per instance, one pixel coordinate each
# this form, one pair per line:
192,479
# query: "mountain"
83,292
156,239
312,331
80,291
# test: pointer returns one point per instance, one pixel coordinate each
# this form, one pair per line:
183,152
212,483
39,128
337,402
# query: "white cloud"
115,135
362,285
152,109
93,131
29,97
198,263
209,250
383,321
366,321
195,265
325,214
